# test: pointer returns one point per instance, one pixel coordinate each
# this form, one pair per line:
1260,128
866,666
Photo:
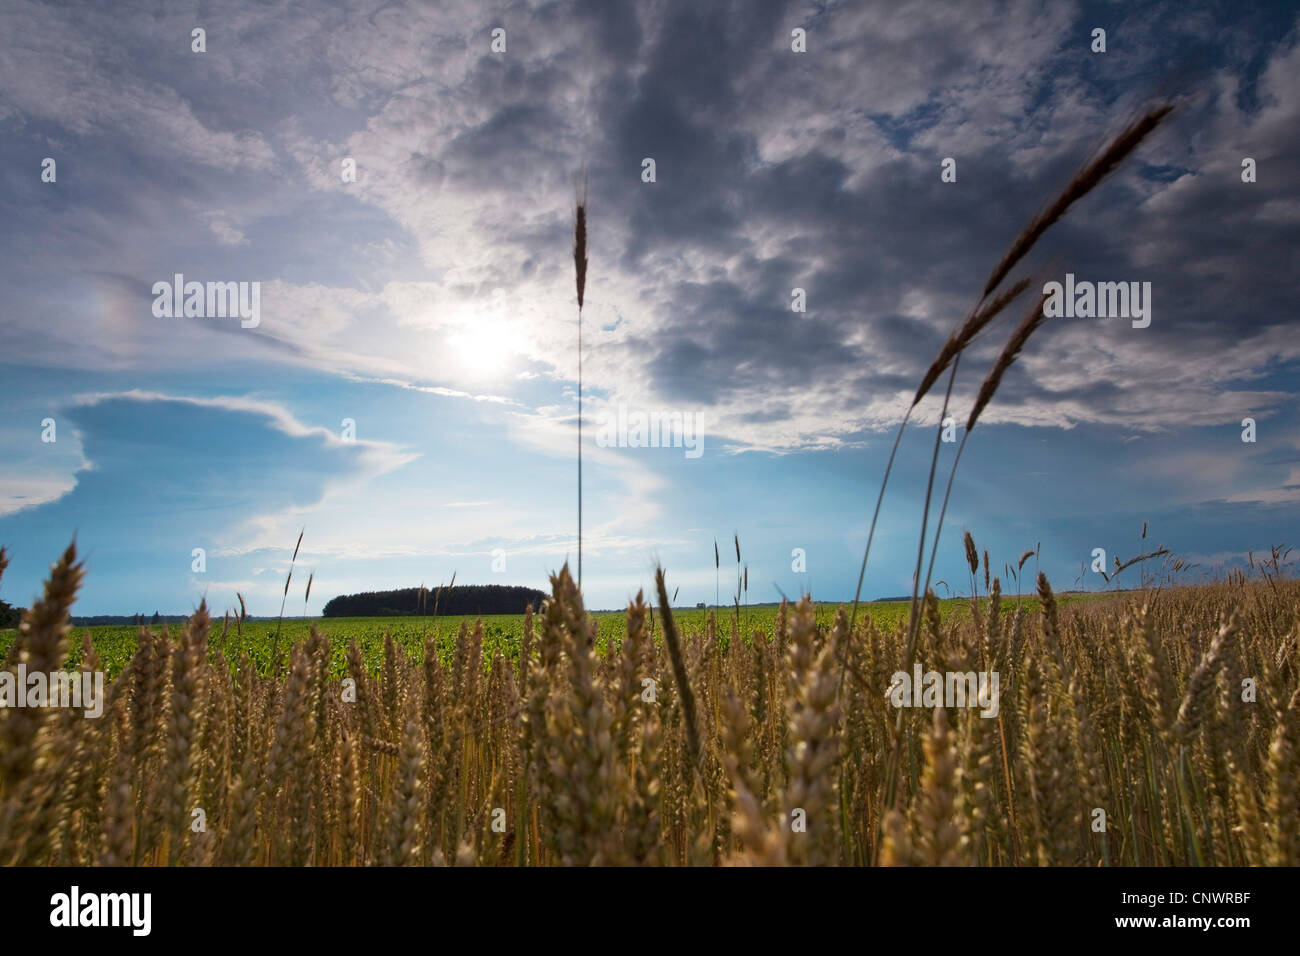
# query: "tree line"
466,599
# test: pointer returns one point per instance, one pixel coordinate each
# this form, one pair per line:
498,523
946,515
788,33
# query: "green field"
501,632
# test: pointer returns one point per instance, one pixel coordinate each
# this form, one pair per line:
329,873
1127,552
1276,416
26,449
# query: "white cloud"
21,491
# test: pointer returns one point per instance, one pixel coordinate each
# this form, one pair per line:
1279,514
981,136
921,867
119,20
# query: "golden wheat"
685,748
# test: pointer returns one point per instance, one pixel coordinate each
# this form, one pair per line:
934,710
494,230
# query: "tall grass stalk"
1083,182
580,274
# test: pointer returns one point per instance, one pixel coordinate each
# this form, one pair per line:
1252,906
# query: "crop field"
1154,727
502,633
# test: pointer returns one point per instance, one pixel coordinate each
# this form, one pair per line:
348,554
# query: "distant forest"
104,620
467,599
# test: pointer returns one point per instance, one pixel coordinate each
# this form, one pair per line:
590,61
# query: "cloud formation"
444,270
775,170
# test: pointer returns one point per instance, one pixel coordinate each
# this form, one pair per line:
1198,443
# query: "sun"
481,347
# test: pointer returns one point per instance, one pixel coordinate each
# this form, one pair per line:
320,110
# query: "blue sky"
431,301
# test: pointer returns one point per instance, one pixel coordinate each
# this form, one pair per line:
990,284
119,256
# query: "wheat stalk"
580,274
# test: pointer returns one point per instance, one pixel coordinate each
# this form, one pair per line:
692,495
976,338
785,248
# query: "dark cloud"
861,239
774,170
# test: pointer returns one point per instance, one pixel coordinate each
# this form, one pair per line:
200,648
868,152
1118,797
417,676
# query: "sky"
408,395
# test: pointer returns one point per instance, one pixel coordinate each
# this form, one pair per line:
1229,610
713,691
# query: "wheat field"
695,748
